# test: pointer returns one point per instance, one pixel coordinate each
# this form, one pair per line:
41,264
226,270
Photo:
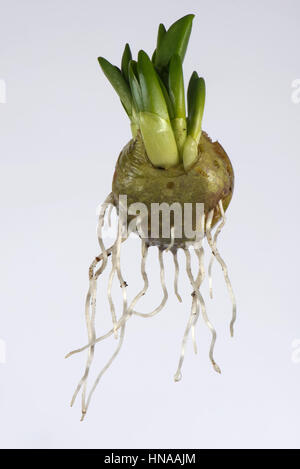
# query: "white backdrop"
61,130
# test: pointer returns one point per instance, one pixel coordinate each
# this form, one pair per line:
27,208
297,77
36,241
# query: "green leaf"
190,152
160,35
159,140
135,86
153,56
176,86
196,107
196,101
168,101
126,57
152,94
179,130
174,41
114,75
134,67
193,79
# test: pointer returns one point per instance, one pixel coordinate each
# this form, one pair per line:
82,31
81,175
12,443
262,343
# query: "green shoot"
168,100
152,94
196,101
160,35
155,125
114,75
176,86
135,86
159,140
176,90
126,57
196,108
174,41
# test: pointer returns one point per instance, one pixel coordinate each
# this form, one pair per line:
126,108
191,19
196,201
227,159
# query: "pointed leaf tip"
152,94
135,86
126,57
174,41
196,107
176,86
115,77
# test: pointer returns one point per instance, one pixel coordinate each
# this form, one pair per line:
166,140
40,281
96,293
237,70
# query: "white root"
178,375
90,322
164,288
109,215
176,265
108,201
198,248
204,314
91,298
200,277
145,278
197,298
123,284
143,267
143,273
215,238
109,295
143,291
130,311
91,301
198,303
91,336
195,310
108,364
172,239
123,319
96,341
127,312
116,267
216,254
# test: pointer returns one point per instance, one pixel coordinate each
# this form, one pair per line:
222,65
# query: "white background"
61,131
